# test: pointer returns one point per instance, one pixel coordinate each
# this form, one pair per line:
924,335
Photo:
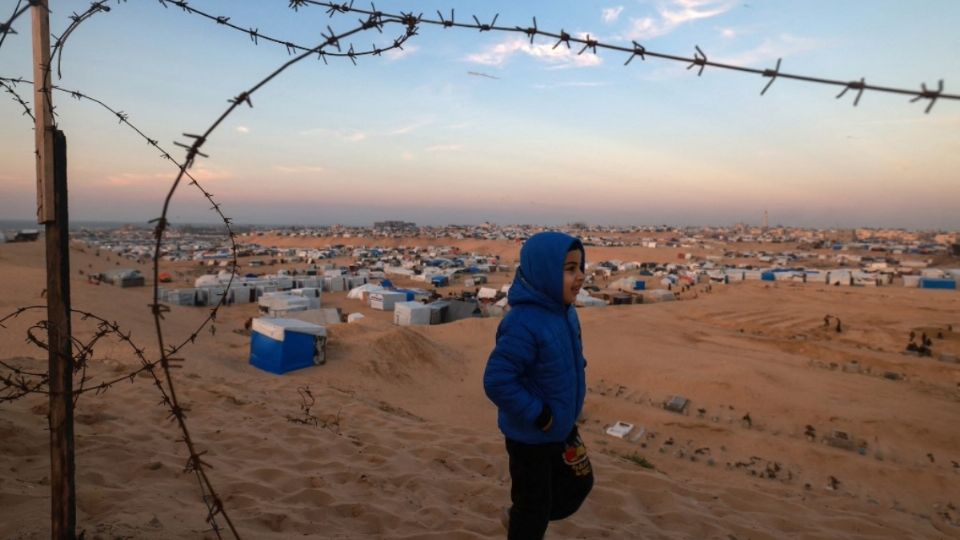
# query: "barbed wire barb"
638,50
486,27
932,95
445,22
589,44
859,86
530,31
699,59
772,73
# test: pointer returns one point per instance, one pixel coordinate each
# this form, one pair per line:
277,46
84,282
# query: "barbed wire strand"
699,58
9,87
75,21
195,462
193,150
19,382
7,27
123,118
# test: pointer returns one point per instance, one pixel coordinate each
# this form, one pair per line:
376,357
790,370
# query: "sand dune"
400,441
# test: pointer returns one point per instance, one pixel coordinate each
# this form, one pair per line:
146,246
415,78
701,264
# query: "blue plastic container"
282,345
937,283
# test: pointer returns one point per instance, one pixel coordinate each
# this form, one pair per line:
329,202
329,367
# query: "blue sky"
555,137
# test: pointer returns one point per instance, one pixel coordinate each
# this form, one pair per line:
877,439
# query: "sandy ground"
405,445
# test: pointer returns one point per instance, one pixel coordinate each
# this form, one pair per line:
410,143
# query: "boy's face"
572,276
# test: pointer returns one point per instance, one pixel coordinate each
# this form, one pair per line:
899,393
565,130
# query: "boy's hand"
545,420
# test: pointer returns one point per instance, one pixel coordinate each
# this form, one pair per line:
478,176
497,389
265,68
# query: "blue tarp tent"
937,283
768,276
282,345
440,281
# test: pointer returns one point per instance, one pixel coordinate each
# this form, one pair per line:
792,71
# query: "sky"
464,126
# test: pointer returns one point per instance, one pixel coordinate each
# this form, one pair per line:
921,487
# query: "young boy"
535,376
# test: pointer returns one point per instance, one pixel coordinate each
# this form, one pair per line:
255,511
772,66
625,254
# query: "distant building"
394,225
26,235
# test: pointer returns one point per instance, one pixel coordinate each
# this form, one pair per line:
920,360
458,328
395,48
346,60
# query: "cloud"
610,15
771,49
674,13
348,135
498,54
444,148
397,54
242,129
135,179
352,136
298,169
403,130
571,84
203,174
728,33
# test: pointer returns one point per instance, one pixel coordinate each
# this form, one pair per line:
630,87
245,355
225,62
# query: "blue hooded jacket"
538,358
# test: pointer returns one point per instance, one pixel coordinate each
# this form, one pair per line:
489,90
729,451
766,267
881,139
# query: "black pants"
549,482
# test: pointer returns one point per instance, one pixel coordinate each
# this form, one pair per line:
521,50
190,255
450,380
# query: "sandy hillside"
400,442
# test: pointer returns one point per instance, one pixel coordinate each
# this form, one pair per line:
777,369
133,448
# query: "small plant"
639,460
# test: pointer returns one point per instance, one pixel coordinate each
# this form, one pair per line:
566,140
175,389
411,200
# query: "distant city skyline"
467,127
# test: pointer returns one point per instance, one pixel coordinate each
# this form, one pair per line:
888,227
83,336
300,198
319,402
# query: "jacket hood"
539,280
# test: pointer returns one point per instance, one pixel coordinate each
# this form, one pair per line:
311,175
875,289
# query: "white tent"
356,293
355,317
278,303
411,313
487,292
207,281
585,300
322,316
386,300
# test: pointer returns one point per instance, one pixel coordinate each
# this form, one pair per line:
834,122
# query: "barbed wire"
698,60
192,151
10,83
19,382
9,87
75,21
7,27
22,382
166,361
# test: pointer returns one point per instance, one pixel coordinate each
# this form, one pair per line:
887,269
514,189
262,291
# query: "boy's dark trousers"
549,482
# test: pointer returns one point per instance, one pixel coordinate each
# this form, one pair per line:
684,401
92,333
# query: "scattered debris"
834,484
676,404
